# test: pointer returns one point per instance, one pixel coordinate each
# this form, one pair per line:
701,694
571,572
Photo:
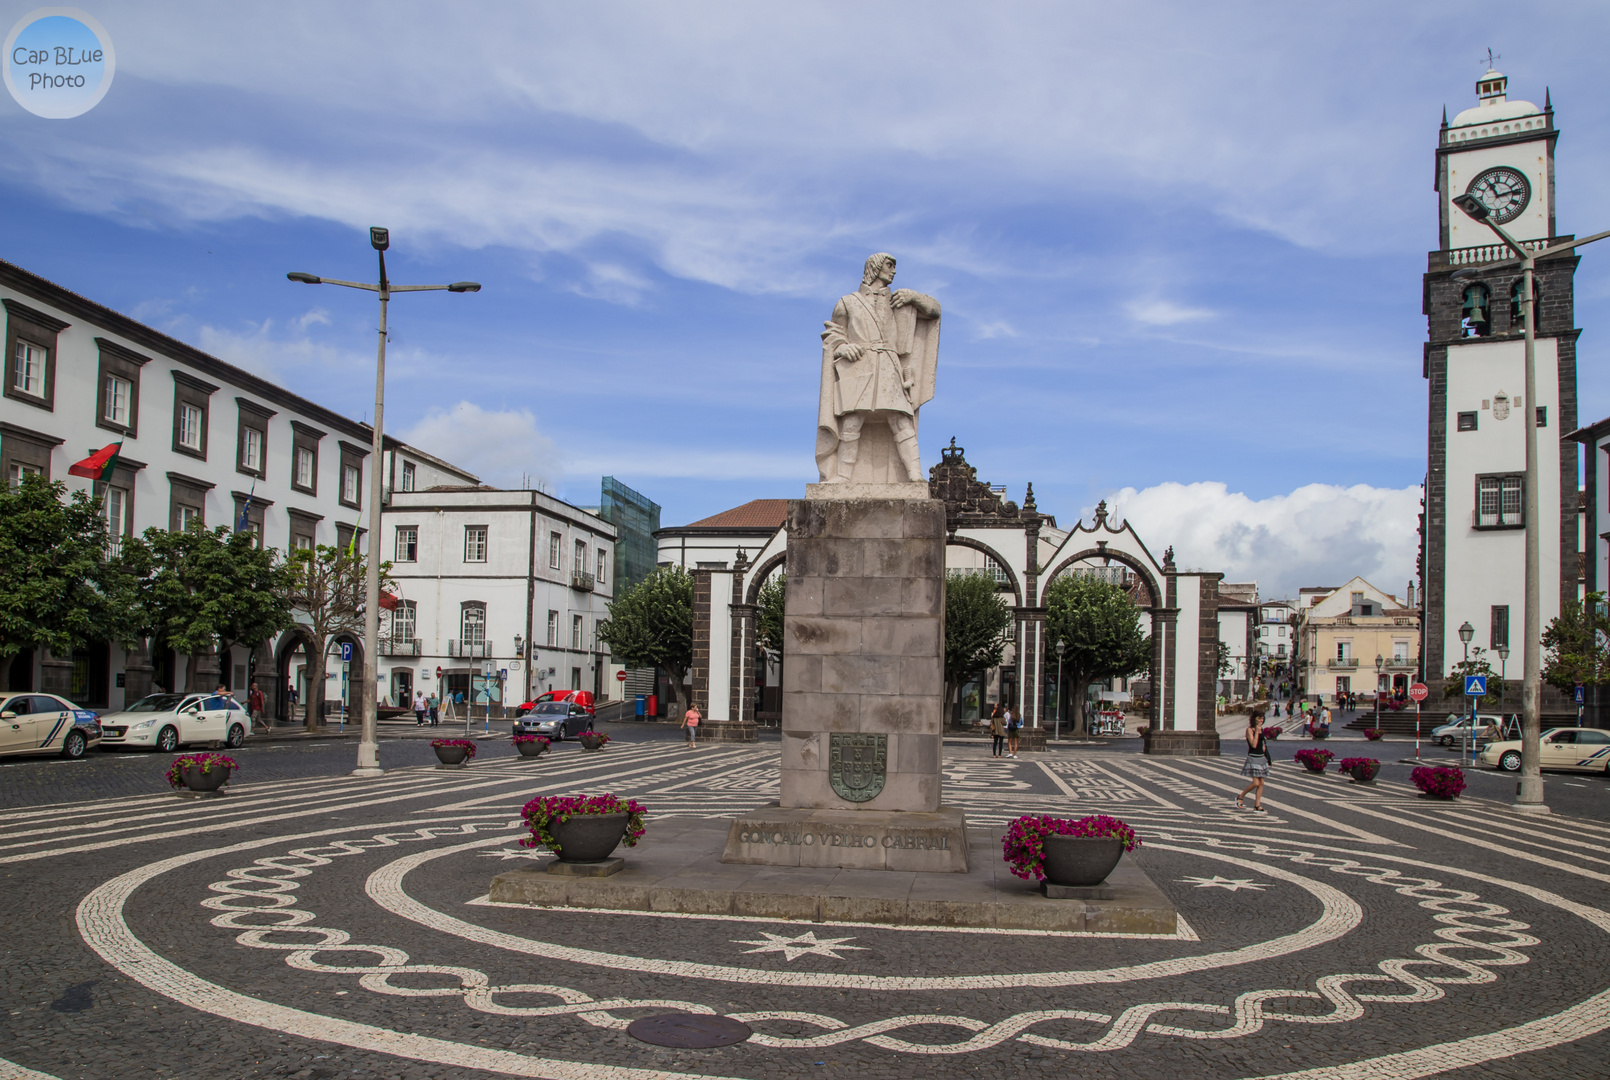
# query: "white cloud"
1320,534
503,447
1164,312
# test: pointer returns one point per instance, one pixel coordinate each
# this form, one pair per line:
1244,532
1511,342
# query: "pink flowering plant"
1439,781
1373,733
594,740
1362,769
467,744
204,762
543,739
1313,760
540,814
1023,846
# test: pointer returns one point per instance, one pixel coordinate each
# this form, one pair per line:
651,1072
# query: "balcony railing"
399,646
581,581
1342,663
469,650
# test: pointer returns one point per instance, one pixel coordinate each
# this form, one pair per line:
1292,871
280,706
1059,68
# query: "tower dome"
1496,114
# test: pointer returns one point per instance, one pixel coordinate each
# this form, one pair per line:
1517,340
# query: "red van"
584,698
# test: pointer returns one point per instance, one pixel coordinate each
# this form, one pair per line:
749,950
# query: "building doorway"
402,687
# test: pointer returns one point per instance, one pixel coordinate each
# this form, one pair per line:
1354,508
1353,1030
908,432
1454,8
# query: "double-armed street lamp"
369,741
1529,792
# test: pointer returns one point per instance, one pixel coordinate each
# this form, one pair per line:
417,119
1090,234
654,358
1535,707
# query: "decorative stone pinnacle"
1168,558
742,561
1028,500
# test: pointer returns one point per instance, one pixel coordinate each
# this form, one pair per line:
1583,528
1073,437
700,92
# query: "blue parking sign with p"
346,654
1475,686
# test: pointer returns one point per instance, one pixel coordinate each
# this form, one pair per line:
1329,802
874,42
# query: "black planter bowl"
451,755
1363,775
531,749
1080,861
197,779
588,837
590,741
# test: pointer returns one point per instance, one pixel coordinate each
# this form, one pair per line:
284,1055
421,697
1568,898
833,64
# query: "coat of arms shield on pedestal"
857,764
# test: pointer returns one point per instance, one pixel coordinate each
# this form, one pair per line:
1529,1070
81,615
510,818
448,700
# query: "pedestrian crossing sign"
1475,686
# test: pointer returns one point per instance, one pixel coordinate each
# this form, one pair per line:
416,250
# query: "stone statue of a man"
879,352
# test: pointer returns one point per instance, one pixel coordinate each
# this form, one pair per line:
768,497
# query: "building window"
554,540
117,397
190,427
475,543
30,355
189,516
1515,292
305,464
1467,421
187,500
1400,652
305,457
1542,416
28,376
575,678
403,620
1344,651
1498,502
117,519
1474,311
553,629
351,476
304,527
473,627
251,450
1280,650
408,476
602,555
408,543
575,631
1500,626
581,557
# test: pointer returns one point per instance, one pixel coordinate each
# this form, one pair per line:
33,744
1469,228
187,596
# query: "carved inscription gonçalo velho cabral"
857,764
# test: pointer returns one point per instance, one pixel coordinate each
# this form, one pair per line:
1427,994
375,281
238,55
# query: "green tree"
201,590
1477,664
1226,660
976,620
1577,645
58,589
769,619
651,625
325,590
1100,627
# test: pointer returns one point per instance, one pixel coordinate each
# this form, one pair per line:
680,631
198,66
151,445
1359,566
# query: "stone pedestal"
853,839
730,731
1031,738
1180,743
864,629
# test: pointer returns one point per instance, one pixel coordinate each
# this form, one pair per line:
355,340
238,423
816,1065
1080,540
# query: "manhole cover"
692,1031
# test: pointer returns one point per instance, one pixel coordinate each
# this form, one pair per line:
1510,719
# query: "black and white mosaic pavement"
326,926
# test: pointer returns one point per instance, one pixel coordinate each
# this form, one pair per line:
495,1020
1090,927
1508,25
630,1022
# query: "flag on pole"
99,465
245,522
352,545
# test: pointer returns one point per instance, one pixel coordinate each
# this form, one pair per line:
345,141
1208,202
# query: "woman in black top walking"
1257,764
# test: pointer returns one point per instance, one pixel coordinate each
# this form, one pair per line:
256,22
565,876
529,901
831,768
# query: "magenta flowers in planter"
1313,760
1272,732
1023,846
543,813
453,751
1361,769
1439,781
1373,733
207,772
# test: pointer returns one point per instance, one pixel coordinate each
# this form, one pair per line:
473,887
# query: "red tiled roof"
754,514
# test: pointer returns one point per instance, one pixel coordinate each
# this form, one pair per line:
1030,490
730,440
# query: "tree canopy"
58,588
769,619
1099,626
651,624
324,589
976,621
1478,664
1577,645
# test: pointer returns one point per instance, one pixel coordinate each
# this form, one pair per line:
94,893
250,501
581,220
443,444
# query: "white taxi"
1573,749
167,721
44,724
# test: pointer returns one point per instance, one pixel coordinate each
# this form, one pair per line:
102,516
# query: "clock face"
1504,191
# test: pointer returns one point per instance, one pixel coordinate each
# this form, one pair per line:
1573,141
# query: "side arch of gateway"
1025,551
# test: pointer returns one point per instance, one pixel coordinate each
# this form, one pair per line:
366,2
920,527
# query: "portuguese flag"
99,465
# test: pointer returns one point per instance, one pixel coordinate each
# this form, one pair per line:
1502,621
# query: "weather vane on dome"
1492,60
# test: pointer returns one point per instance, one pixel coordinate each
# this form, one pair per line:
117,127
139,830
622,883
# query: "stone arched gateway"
994,556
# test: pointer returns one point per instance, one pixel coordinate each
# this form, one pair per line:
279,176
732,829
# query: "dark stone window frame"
397,544
125,364
305,524
36,328
189,390
123,478
186,491
343,536
1465,421
464,608
308,438
254,514
352,456
256,418
21,445
1475,514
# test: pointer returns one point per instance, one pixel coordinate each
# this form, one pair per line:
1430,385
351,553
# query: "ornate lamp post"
1466,632
1380,665
1062,647
369,741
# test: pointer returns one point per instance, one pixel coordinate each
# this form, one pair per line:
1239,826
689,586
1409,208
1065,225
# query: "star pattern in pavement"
1228,884
804,944
505,854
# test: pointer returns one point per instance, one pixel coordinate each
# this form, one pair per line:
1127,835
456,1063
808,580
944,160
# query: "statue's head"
879,267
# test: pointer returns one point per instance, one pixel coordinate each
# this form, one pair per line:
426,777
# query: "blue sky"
1178,245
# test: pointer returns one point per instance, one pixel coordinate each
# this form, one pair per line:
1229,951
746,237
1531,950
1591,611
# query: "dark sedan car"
555,719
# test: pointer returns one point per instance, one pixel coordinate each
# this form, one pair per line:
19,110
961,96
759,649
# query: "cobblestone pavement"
315,925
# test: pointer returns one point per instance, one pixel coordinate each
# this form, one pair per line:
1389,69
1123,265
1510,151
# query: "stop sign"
620,676
1419,692
438,673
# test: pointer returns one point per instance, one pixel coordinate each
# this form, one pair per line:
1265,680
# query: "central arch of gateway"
1025,551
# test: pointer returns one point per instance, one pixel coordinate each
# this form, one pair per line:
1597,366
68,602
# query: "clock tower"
1472,535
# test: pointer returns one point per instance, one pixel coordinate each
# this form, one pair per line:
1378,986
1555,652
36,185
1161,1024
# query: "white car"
167,721
34,723
1576,749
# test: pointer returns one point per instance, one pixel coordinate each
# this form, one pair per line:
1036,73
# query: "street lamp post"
1466,632
369,740
1380,665
1529,792
1062,647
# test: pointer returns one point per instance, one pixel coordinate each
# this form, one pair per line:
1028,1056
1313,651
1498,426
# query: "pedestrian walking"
257,705
419,708
433,703
1256,765
997,732
1013,723
690,724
